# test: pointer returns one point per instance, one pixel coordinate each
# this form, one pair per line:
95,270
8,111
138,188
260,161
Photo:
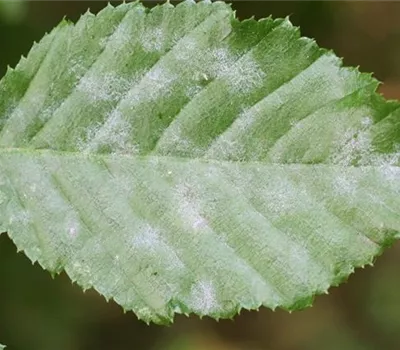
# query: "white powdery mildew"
189,207
73,227
152,40
222,61
390,169
245,76
203,298
355,148
29,106
49,111
175,138
122,36
284,197
149,240
154,85
161,76
76,69
114,133
208,63
83,274
247,118
20,218
225,148
193,90
229,144
185,50
103,87
343,184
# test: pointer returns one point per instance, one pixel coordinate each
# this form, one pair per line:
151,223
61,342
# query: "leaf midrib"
178,159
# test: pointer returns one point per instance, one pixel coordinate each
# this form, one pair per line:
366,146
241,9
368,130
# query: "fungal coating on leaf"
178,160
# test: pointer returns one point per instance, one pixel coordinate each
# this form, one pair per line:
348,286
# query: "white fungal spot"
246,76
152,40
343,184
73,228
21,218
115,133
355,148
103,87
153,86
203,297
122,35
222,61
83,273
188,53
227,144
190,207
148,238
192,90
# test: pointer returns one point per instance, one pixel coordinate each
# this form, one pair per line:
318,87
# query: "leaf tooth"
9,69
110,6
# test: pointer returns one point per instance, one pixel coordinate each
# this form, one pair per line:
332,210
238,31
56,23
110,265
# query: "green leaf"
178,160
2,347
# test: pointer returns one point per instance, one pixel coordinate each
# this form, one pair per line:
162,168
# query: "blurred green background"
38,313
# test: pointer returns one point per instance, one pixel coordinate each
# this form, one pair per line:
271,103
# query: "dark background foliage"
38,313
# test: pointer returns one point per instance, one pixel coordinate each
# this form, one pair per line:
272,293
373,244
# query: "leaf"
178,160
2,347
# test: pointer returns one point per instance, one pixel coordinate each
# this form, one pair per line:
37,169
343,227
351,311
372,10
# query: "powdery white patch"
175,139
343,184
22,218
189,207
161,76
83,273
149,239
28,107
206,63
114,133
222,61
247,118
103,87
152,39
122,35
228,144
284,197
154,85
48,112
76,68
226,148
192,90
356,148
391,168
203,297
186,50
73,227
245,76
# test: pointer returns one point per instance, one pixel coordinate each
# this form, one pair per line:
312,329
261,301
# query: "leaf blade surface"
183,161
